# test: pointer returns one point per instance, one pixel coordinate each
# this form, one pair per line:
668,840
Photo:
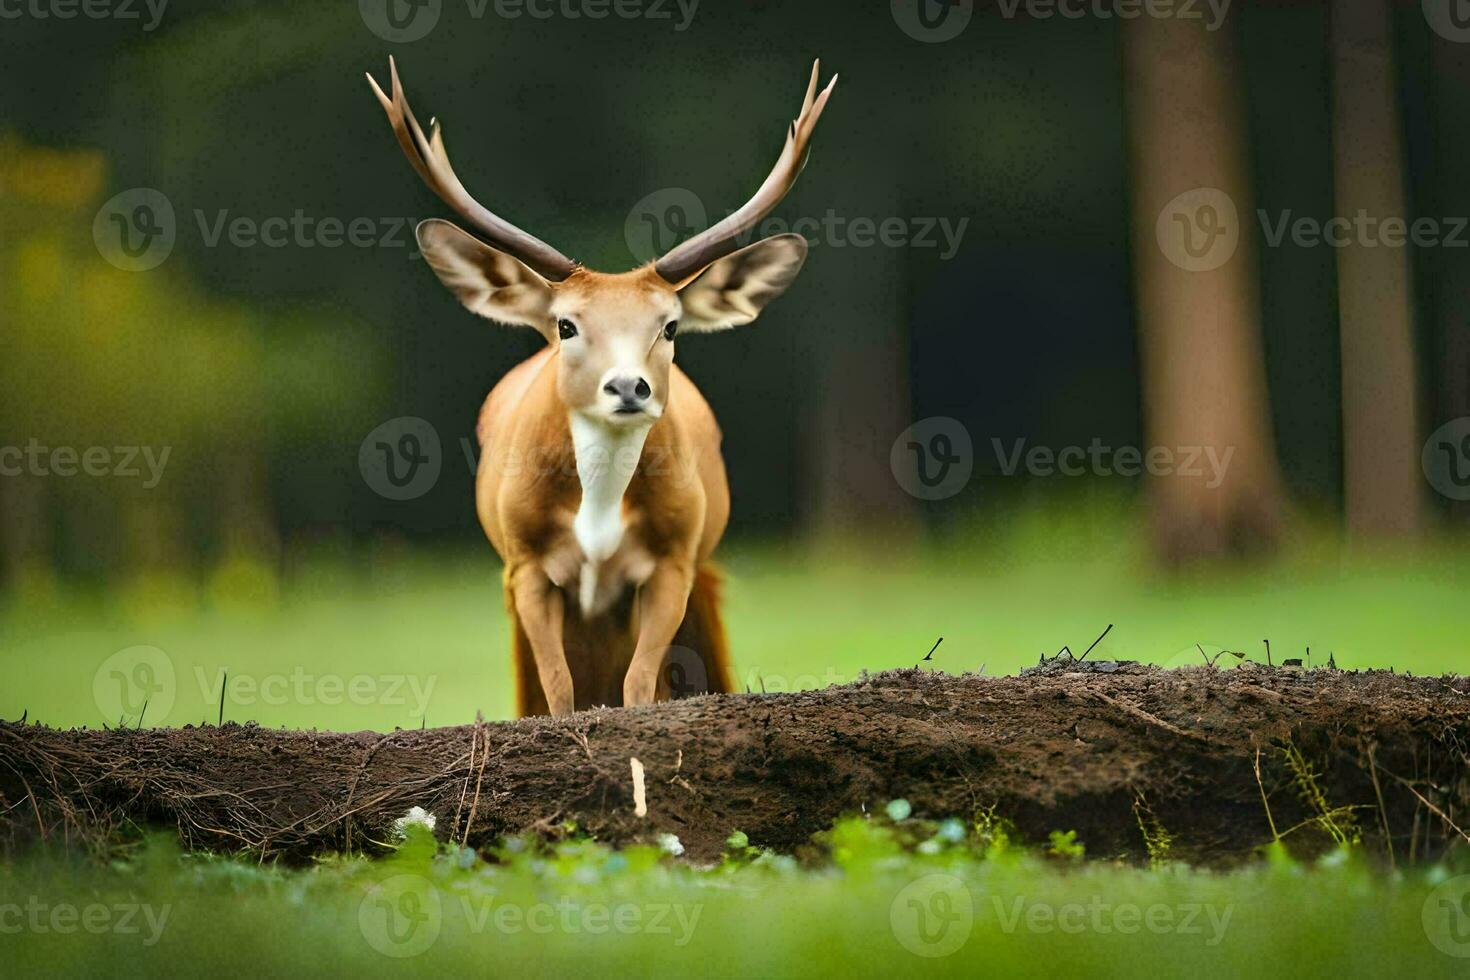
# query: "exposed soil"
1101,748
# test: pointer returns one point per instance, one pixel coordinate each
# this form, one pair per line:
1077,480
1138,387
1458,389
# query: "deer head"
613,333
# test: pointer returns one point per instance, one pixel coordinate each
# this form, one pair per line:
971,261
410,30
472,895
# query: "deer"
601,483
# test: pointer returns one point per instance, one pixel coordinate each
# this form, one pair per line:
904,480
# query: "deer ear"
487,281
735,289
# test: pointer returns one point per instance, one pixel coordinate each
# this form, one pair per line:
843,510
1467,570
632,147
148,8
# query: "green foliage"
1156,838
1338,822
1065,845
526,908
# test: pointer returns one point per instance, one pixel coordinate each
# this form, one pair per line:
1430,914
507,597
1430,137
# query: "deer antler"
431,162
692,256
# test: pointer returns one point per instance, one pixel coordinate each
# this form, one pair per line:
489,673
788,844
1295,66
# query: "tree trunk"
1212,758
1204,384
1383,485
860,385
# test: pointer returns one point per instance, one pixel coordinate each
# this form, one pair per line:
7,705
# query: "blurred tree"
1382,482
136,365
860,395
1198,305
37,187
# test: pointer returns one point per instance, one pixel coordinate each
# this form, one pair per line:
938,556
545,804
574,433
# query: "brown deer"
600,482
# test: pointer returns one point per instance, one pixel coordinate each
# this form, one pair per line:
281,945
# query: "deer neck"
607,457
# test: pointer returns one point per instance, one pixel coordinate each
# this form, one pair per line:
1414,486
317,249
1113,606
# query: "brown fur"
605,645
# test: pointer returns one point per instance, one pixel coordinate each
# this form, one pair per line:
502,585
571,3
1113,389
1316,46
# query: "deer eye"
670,330
566,329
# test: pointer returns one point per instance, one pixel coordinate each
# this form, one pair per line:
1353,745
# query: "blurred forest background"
1058,319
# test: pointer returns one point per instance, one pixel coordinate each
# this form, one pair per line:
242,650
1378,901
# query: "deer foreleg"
539,604
661,604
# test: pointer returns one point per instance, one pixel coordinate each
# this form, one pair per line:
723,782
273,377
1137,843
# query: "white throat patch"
607,457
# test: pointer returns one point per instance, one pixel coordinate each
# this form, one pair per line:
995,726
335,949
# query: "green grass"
961,908
422,639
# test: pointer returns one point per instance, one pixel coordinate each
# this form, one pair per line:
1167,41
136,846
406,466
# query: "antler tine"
431,162
692,256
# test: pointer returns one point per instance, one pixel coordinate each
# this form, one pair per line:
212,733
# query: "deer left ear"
734,290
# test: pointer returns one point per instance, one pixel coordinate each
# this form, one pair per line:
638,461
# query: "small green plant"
994,834
1337,821
1156,838
1065,845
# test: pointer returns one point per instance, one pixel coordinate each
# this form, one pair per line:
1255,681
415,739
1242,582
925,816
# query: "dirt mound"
1220,761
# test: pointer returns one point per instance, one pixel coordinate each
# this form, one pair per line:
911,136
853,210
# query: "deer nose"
631,391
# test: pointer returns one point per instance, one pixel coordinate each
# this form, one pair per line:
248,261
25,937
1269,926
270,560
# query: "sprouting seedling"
930,654
1206,656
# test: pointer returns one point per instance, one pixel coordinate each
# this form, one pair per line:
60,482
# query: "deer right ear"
486,280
